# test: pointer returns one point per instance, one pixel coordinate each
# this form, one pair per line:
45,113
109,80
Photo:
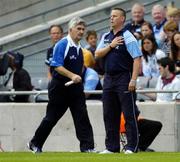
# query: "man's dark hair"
166,61
121,10
55,25
18,59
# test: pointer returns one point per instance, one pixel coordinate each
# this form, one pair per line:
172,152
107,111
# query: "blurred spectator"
3,64
56,33
4,98
166,81
91,81
139,37
147,29
175,51
91,38
137,12
159,17
151,54
173,13
169,28
19,79
89,60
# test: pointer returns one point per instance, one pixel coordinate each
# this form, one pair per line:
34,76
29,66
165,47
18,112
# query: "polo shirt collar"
120,31
138,24
71,42
158,26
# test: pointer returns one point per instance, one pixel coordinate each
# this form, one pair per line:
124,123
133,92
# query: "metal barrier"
177,95
45,92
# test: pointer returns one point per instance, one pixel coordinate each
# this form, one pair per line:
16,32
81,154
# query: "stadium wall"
18,121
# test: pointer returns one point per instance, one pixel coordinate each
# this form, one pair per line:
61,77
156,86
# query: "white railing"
45,92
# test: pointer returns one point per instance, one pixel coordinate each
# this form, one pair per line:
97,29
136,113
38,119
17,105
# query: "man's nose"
82,31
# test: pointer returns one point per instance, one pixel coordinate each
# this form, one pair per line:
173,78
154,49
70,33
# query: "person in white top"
166,81
151,54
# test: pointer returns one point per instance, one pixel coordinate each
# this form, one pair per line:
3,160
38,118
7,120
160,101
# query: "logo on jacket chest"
72,57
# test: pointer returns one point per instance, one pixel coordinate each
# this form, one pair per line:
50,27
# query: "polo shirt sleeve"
101,43
132,44
59,53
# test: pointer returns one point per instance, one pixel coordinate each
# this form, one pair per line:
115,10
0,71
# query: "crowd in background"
157,39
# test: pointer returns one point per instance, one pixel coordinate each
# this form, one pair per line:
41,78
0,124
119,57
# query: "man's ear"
123,19
167,67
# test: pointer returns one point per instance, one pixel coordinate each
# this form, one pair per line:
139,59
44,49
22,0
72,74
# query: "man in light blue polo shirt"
67,62
121,54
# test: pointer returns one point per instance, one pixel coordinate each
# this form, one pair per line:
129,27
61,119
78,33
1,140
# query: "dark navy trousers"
60,99
117,99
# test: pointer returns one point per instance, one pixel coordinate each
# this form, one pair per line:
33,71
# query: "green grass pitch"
88,157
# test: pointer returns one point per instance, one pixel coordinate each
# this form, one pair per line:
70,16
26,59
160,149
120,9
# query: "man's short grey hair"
158,6
76,21
138,5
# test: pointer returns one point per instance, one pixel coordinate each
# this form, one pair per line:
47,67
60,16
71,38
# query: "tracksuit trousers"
60,99
117,99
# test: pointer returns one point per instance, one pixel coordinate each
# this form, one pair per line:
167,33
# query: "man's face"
163,71
11,61
55,34
116,18
137,14
158,15
77,32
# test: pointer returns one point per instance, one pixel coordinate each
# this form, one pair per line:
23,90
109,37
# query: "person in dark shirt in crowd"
137,18
19,79
56,33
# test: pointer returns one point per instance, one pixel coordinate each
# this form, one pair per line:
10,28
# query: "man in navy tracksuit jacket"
121,54
67,62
